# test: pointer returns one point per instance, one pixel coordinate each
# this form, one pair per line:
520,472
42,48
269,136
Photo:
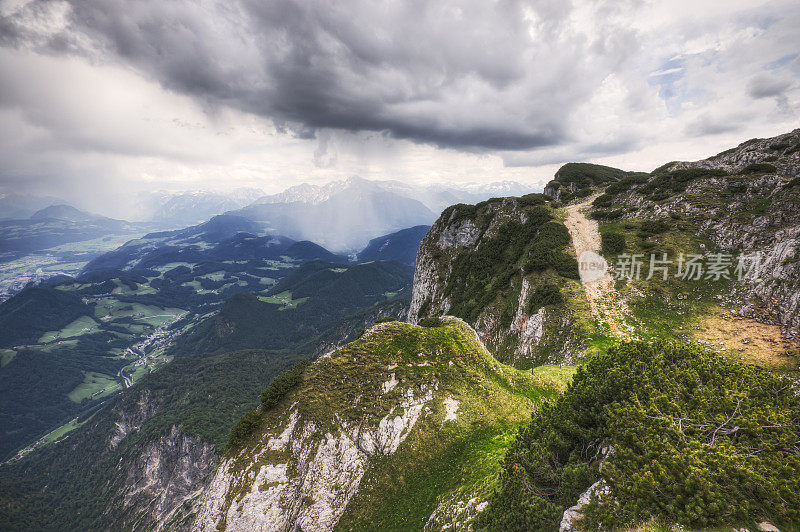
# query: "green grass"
440,460
62,430
124,289
213,276
109,309
54,346
663,308
171,266
284,299
93,383
200,290
79,327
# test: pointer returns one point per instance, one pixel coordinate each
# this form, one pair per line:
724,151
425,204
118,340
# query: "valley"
550,347
440,266
124,311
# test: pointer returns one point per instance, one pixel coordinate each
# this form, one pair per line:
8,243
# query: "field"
81,326
62,430
66,259
284,299
110,309
95,385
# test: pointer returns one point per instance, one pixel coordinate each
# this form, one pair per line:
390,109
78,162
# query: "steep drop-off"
508,268
403,428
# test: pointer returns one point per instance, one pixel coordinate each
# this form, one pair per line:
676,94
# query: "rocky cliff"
386,432
745,200
159,476
507,267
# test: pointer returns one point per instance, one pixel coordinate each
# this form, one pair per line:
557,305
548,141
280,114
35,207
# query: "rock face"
321,472
755,208
524,338
396,393
131,419
156,478
162,476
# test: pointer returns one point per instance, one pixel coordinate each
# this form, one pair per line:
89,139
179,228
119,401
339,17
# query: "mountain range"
434,196
344,215
520,387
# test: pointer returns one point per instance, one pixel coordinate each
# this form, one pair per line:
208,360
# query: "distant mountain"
15,206
57,225
342,216
435,197
223,238
67,213
401,246
193,207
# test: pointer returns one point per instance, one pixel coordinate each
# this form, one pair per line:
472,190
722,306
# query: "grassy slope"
689,310
439,460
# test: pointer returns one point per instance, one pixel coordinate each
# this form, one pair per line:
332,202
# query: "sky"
103,99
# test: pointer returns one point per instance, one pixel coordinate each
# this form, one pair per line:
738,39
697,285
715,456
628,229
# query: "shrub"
477,277
532,200
544,295
757,206
759,168
654,227
282,384
459,211
697,440
677,180
607,214
564,264
586,174
737,188
433,321
626,184
545,251
612,242
663,168
385,319
508,308
605,200
659,196
246,426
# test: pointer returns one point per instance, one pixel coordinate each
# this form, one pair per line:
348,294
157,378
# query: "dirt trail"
598,284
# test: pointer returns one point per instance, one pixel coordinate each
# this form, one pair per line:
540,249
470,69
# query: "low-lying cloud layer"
189,91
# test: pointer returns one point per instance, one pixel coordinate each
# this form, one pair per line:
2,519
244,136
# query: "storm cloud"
485,75
531,83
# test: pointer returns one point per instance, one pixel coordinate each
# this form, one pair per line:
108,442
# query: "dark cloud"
469,75
766,86
128,93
